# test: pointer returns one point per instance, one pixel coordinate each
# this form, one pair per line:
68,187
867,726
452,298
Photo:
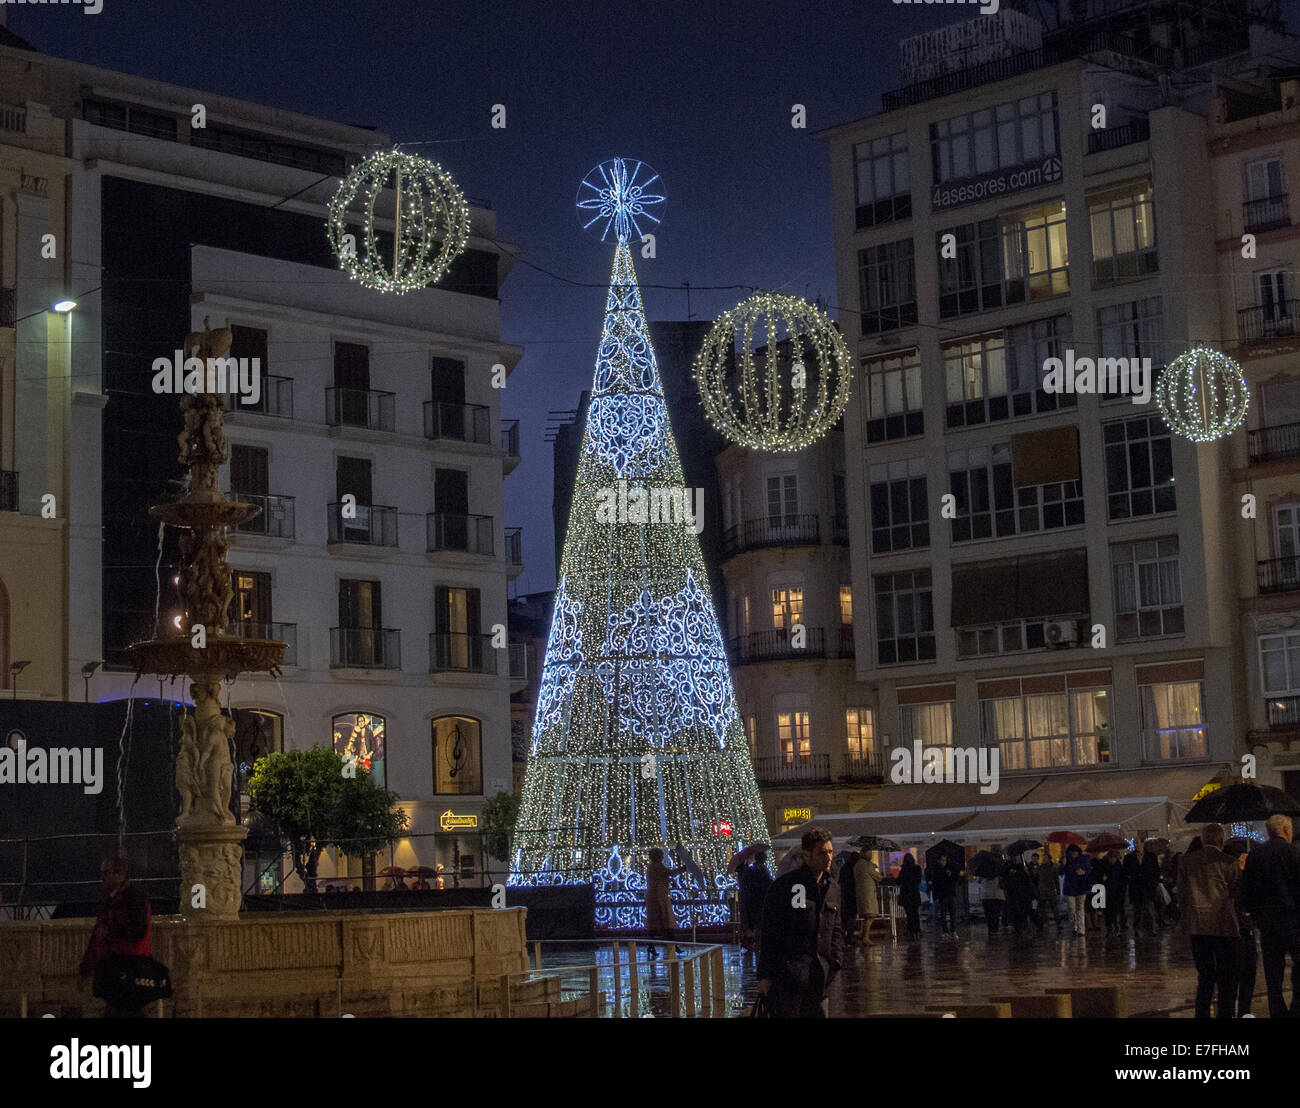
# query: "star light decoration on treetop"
792,391
616,192
431,222
1203,395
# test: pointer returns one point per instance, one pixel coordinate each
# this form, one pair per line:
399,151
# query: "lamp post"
15,668
87,672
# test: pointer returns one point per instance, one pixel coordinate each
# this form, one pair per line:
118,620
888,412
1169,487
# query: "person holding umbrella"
659,922
909,894
1048,877
754,880
1078,870
942,879
1247,948
1207,889
866,881
1271,894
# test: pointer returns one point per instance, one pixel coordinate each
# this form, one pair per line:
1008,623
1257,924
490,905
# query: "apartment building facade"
1042,573
375,449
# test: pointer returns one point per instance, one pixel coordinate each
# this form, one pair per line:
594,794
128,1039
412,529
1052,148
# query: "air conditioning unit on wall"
1060,633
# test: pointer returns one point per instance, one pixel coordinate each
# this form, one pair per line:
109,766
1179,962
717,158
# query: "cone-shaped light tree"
637,741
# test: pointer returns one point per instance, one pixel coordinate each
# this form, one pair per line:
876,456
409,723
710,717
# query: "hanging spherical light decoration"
1203,395
774,373
430,222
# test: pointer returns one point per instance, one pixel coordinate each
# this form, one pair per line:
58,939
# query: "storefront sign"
968,190
796,815
722,827
450,821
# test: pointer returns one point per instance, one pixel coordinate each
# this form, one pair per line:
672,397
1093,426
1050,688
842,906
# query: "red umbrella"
743,857
1066,838
1107,841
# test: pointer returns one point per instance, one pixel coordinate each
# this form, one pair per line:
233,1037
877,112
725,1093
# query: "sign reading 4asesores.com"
1011,179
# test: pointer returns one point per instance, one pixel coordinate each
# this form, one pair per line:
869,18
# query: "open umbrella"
422,871
1106,841
954,852
1156,845
1021,845
1242,803
985,864
391,871
687,861
742,858
1066,838
874,842
792,860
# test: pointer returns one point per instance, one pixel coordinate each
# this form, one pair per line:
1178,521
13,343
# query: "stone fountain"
209,839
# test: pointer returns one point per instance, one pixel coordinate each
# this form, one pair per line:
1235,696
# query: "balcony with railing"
514,551
360,408
1278,575
1269,444
286,633
462,533
274,521
458,422
1175,744
1137,129
518,664
1265,214
869,768
8,490
811,769
782,530
365,648
510,443
364,524
274,399
775,646
1264,322
457,652
1283,713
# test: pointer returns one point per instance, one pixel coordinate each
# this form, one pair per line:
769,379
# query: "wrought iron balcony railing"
468,534
286,633
1283,712
1262,322
456,652
460,422
767,646
360,408
1137,129
275,399
1278,575
274,521
373,525
779,530
1268,444
870,767
1266,214
365,648
810,769
518,661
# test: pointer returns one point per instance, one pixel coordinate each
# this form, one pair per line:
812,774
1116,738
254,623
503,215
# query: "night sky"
700,90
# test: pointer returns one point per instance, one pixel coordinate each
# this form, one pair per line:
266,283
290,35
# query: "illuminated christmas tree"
637,742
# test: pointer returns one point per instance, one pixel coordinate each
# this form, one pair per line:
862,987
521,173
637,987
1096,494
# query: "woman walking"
909,894
659,922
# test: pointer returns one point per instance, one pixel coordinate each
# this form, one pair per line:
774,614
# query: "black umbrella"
954,852
1021,845
1242,803
874,842
985,864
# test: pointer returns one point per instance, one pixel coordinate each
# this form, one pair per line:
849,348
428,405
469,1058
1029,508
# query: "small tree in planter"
319,801
499,815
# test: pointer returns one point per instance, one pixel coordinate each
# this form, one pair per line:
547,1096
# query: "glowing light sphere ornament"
1203,395
788,395
430,218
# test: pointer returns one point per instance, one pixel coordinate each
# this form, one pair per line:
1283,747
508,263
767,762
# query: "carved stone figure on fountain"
187,761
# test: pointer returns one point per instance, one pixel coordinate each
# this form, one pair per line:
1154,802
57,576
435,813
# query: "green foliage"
498,819
306,794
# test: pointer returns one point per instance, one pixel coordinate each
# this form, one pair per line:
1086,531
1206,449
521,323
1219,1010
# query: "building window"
860,728
1009,260
894,397
751,734
258,733
457,756
1123,235
905,617
1048,730
929,724
1148,589
846,605
1173,721
362,736
887,279
794,736
1279,663
994,138
1028,347
1001,638
1287,531
1276,303
783,500
976,375
1139,467
1036,253
989,504
881,180
900,516
787,605
971,281
1131,330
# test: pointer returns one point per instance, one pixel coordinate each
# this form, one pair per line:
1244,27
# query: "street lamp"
63,306
15,668
87,672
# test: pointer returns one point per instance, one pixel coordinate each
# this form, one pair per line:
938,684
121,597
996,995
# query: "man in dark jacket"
941,877
122,927
799,954
1270,892
754,881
